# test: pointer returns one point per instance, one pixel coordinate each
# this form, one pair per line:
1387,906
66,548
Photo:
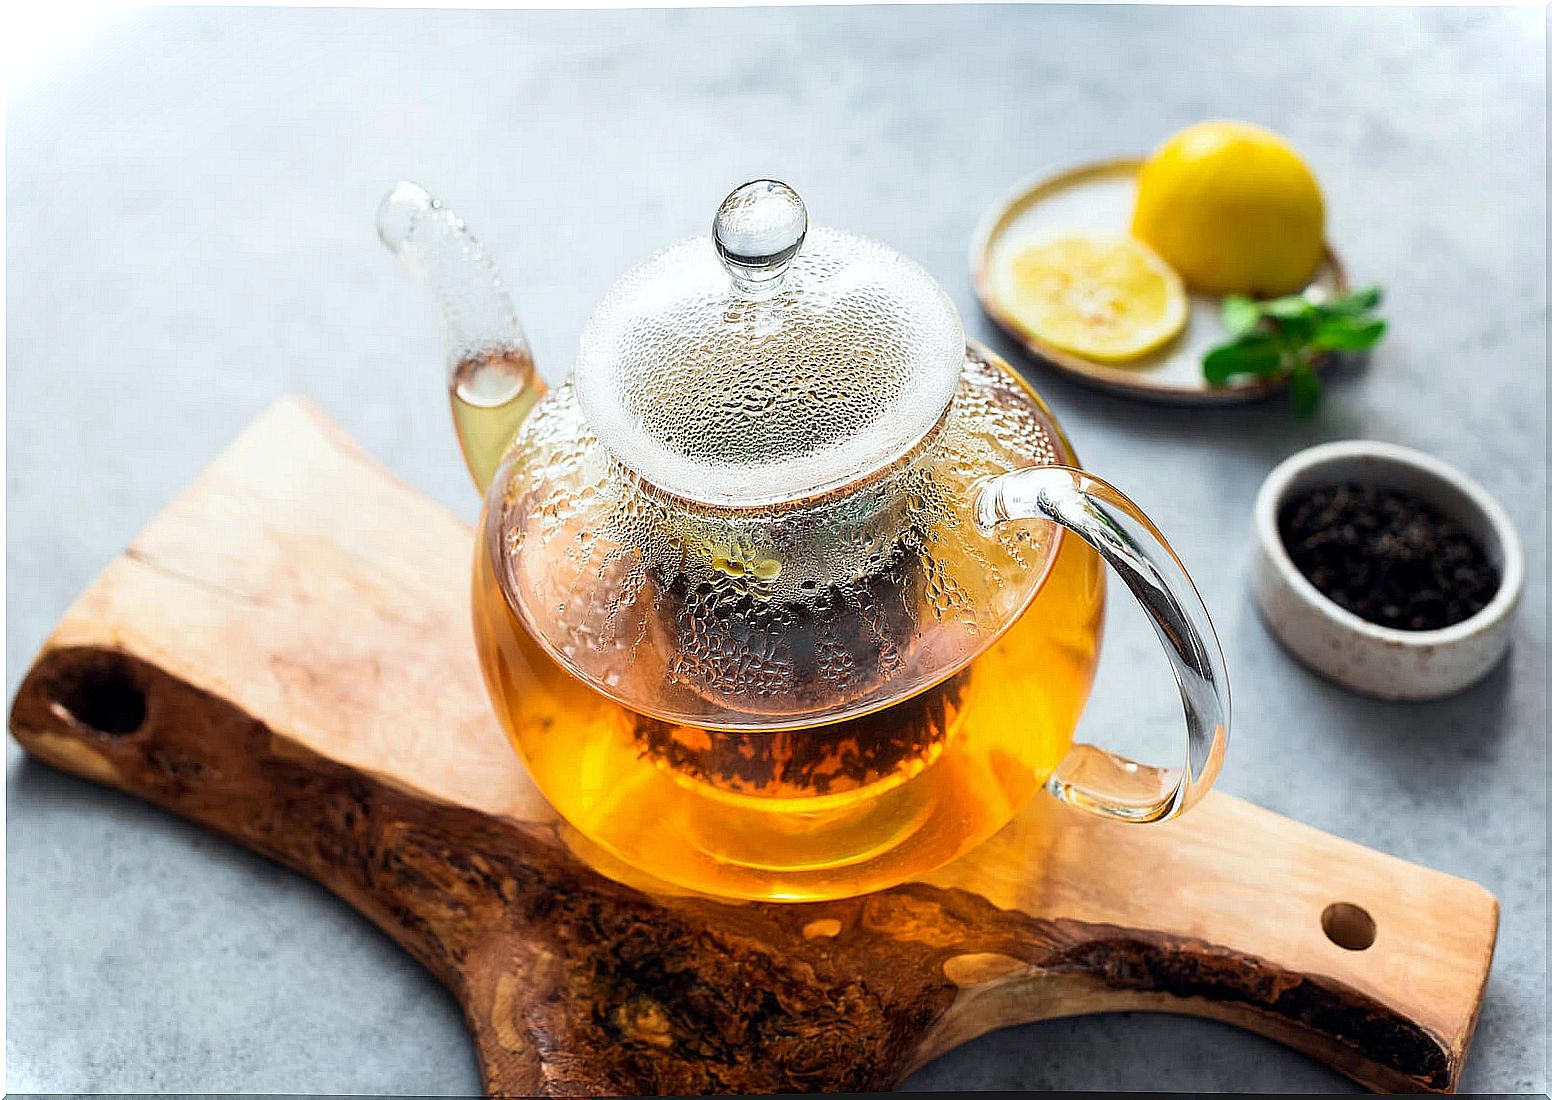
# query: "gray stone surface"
190,217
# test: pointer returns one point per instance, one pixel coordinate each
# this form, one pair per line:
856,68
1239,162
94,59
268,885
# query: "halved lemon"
1233,208
1105,297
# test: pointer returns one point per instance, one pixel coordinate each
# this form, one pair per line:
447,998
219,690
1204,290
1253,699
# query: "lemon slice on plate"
1105,297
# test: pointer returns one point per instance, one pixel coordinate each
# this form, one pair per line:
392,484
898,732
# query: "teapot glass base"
802,815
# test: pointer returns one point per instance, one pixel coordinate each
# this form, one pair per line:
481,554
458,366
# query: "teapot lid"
768,362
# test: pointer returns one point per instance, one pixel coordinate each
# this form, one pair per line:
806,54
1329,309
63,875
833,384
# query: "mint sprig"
1281,338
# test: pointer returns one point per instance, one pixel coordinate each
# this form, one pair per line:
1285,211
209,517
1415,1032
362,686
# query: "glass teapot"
788,593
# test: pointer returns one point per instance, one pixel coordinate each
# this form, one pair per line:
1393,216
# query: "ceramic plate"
1100,197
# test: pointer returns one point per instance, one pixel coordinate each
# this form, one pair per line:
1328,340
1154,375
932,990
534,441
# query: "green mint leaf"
1255,353
1358,301
1304,390
1240,314
1295,331
1295,305
1347,333
1282,338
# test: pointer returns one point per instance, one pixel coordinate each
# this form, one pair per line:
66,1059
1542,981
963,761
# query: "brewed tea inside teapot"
786,592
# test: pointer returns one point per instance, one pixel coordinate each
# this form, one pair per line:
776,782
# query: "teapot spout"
490,370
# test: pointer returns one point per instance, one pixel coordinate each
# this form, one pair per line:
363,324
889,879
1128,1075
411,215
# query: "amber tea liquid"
792,814
490,395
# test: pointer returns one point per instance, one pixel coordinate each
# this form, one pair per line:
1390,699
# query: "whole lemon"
1232,208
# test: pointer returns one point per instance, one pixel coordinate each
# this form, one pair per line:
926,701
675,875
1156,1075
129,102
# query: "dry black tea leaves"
1387,556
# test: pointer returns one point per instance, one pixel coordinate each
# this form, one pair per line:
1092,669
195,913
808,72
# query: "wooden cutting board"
284,656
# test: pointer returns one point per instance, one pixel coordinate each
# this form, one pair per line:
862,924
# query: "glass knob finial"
758,231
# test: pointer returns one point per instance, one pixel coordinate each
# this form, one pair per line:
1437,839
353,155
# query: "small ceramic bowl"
1379,660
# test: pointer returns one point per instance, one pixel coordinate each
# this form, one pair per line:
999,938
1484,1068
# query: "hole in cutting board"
103,695
1347,925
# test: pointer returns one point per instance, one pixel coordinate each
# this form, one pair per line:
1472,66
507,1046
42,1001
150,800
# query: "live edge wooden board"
284,656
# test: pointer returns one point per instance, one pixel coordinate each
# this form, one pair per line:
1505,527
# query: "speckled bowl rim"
1511,569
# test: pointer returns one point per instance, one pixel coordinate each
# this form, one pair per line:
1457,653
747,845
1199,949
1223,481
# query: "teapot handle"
1089,777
